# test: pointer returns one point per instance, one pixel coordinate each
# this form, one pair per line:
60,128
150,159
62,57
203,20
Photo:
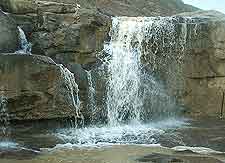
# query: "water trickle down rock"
91,97
25,46
71,95
4,117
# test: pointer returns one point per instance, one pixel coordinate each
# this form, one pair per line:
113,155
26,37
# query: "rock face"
8,34
37,88
204,70
191,62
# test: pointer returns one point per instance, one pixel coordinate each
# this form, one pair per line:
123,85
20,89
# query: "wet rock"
199,150
9,41
163,158
191,63
18,154
35,87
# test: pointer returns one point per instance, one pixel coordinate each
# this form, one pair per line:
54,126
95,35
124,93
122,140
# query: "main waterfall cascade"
130,87
137,105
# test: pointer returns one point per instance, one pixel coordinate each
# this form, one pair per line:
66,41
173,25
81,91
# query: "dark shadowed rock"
37,88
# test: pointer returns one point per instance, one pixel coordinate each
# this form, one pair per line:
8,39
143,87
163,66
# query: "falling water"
73,97
4,117
124,99
136,102
127,91
25,46
91,96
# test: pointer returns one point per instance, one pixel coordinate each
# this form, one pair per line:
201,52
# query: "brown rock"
37,88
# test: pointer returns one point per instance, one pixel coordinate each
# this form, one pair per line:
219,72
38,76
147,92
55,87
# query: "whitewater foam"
122,134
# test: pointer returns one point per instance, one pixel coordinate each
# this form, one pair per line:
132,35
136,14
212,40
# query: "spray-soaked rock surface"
37,88
187,53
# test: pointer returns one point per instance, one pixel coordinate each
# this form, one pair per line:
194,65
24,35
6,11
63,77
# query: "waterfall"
129,87
124,99
72,93
25,46
4,117
138,106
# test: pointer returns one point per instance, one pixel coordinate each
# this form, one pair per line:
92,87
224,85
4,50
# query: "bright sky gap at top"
218,5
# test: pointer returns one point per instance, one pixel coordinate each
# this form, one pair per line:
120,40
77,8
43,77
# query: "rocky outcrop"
191,62
37,88
9,41
62,30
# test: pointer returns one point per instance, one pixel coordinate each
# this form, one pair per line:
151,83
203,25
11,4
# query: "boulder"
9,41
35,87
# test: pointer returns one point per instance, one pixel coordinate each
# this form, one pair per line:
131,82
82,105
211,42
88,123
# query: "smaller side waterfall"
4,117
25,46
71,93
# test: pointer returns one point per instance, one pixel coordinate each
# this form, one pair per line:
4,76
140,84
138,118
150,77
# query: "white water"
123,96
130,88
25,46
122,134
